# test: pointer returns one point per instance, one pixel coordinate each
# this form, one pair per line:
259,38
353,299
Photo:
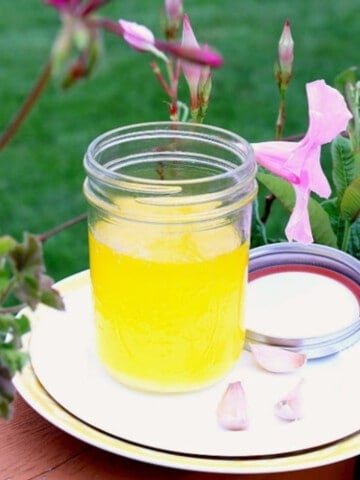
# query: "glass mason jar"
169,226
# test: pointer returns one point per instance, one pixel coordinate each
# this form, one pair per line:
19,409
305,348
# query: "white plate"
63,357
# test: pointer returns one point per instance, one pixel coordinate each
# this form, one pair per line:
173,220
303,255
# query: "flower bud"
286,54
192,71
174,10
80,68
204,91
62,47
75,55
140,38
174,15
205,84
78,46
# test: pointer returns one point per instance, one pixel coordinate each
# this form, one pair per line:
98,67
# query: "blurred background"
41,172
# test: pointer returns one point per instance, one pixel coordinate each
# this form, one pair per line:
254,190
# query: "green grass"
41,172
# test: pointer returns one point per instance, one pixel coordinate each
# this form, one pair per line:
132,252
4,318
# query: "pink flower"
299,162
192,71
142,39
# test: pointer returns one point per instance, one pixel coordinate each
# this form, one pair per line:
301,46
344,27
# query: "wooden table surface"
33,449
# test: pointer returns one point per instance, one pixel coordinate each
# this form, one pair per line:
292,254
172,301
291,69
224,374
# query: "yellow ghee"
168,304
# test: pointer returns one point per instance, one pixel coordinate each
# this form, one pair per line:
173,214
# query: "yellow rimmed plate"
337,444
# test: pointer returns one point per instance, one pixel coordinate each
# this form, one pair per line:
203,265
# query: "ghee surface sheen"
168,305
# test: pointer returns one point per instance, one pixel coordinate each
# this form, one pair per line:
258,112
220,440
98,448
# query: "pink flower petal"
188,37
298,227
201,55
138,36
318,182
328,113
328,117
192,71
306,156
273,156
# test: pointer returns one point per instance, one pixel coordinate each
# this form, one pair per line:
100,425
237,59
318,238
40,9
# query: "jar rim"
245,171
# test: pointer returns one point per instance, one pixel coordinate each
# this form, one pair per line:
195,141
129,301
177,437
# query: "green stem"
353,130
26,107
355,142
12,310
269,200
281,115
73,221
346,236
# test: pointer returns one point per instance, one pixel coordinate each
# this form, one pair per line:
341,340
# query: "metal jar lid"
304,298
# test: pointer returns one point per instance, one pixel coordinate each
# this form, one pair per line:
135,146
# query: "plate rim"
40,401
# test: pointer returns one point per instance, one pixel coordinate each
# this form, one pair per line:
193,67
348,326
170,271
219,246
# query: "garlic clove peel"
291,406
232,408
276,359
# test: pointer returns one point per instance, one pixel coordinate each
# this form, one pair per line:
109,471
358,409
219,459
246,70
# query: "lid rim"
326,258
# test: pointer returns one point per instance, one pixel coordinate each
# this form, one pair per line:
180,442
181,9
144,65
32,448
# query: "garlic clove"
276,359
291,406
232,409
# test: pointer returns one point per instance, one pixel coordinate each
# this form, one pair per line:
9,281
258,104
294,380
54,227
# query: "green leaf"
6,244
7,396
22,325
331,207
345,77
27,257
32,285
7,389
12,360
258,230
27,290
319,219
6,322
7,392
11,329
343,171
350,203
4,281
52,298
354,240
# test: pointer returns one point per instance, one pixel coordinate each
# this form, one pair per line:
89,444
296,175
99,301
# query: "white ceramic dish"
181,430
